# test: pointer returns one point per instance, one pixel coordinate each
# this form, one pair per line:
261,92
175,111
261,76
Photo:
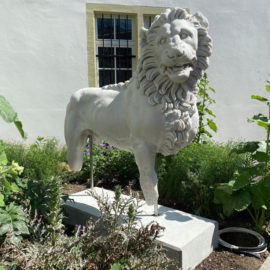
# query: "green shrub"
127,245
188,178
111,165
39,159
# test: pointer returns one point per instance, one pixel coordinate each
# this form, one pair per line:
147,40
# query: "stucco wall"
43,59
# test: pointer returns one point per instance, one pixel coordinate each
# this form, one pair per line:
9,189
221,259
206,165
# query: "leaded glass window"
115,48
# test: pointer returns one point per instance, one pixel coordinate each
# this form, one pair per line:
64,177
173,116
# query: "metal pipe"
91,161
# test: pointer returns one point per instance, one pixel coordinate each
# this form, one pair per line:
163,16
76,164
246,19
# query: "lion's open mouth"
177,73
179,68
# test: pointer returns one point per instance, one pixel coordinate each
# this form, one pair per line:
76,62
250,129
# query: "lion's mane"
177,101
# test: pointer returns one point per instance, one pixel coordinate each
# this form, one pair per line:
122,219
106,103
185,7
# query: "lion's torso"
130,118
120,116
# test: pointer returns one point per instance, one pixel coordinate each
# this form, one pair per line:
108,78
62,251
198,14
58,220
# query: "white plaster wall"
43,59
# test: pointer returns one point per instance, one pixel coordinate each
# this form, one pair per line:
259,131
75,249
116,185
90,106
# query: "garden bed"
187,182
220,258
225,260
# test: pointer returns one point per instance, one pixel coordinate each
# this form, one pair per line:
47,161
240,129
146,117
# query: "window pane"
123,58
105,28
123,75
123,29
106,77
148,21
106,57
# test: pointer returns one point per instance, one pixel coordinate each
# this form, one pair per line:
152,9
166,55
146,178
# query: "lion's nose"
174,53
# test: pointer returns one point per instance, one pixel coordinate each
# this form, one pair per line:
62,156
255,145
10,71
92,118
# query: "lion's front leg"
145,156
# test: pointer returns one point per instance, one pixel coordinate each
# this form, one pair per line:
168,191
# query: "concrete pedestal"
189,239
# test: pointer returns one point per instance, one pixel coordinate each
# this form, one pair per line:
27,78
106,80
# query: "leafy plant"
12,217
205,114
250,187
7,176
13,223
116,266
55,215
8,173
111,165
33,195
187,179
7,182
10,116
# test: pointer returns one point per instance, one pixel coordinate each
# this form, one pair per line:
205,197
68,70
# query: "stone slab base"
189,239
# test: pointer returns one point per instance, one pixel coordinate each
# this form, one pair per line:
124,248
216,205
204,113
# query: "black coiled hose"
261,246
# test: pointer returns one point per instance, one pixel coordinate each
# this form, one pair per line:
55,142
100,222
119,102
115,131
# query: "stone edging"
266,264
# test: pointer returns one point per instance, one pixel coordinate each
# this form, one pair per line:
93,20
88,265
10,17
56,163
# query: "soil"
73,188
219,259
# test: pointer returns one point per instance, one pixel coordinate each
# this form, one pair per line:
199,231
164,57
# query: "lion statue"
155,111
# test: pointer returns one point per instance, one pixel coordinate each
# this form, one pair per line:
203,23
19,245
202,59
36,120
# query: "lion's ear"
143,36
201,19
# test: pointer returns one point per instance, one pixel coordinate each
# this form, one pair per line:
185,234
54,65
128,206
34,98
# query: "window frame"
136,12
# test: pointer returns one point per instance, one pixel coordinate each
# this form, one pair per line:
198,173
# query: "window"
115,48
112,40
147,20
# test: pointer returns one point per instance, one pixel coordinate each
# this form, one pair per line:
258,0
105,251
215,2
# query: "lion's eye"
184,34
162,40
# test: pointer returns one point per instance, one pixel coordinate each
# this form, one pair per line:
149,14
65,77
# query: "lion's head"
174,44
176,47
174,53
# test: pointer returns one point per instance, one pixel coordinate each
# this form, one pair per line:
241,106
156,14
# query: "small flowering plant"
8,175
111,165
13,223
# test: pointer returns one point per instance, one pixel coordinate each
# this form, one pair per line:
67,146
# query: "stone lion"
154,112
